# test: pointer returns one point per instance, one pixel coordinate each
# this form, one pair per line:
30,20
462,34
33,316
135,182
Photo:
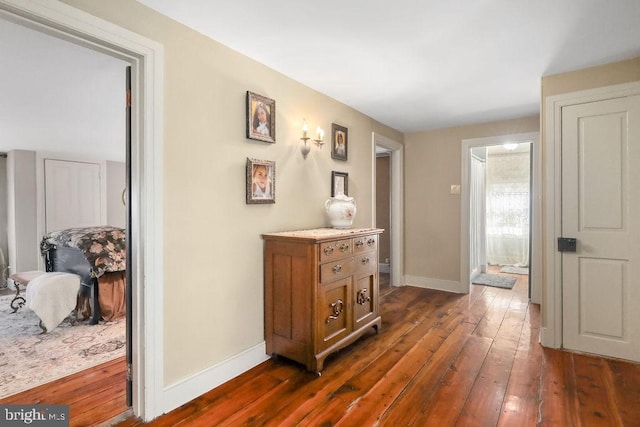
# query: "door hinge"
129,372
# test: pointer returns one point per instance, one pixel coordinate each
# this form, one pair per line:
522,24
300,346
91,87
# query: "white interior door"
601,209
73,194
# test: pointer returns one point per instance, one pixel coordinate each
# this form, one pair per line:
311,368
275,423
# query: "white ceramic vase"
341,210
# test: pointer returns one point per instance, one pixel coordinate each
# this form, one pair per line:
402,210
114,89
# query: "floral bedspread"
104,247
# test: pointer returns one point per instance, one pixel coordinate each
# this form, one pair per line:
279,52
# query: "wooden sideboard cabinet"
321,291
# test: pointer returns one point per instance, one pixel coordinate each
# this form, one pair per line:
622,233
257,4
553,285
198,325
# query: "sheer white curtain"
477,245
508,209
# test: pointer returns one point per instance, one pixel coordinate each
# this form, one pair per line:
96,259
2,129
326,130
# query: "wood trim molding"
397,203
551,305
437,284
535,281
146,58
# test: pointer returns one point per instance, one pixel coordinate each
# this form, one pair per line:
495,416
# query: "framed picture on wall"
261,181
261,118
339,142
339,183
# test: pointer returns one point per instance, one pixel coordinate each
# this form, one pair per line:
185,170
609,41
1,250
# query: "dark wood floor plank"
99,406
623,381
445,406
486,398
592,386
422,374
439,400
440,359
413,349
394,340
217,406
94,395
490,323
520,404
571,403
558,404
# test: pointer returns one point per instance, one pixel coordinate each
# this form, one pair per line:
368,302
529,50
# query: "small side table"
21,279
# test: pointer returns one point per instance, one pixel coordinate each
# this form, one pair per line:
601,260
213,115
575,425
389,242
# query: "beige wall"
590,78
432,214
213,272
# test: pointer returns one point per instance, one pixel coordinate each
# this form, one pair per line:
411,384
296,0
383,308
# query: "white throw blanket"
52,296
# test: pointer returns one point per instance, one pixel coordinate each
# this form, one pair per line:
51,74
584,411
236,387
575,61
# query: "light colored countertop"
321,234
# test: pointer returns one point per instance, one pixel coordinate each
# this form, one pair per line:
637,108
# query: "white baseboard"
384,267
547,338
196,385
437,284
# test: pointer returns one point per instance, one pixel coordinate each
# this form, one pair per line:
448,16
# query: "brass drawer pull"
362,297
359,244
328,250
337,308
337,268
365,260
371,242
344,247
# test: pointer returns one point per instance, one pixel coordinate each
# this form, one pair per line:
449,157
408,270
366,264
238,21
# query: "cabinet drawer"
365,243
364,262
336,249
336,269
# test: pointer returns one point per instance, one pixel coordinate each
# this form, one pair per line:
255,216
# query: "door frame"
146,58
397,203
551,308
535,208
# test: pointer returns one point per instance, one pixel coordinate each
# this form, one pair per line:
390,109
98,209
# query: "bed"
98,256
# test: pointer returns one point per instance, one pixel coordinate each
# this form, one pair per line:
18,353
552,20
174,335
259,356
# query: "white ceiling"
421,64
56,96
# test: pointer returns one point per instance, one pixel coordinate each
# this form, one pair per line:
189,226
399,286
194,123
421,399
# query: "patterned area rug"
29,358
494,280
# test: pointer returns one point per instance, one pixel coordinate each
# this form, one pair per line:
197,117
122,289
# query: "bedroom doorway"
499,210
17,28
146,270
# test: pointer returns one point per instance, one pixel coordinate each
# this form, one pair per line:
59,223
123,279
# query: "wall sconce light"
319,139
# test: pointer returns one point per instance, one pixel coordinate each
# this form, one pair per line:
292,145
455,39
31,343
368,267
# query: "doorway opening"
500,219
391,193
145,57
383,216
500,215
75,155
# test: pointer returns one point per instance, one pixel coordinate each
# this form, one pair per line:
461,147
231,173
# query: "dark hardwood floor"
440,359
94,396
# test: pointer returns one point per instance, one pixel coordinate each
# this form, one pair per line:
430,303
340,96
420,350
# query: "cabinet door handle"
337,307
365,260
371,242
344,247
359,244
362,297
337,268
328,250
